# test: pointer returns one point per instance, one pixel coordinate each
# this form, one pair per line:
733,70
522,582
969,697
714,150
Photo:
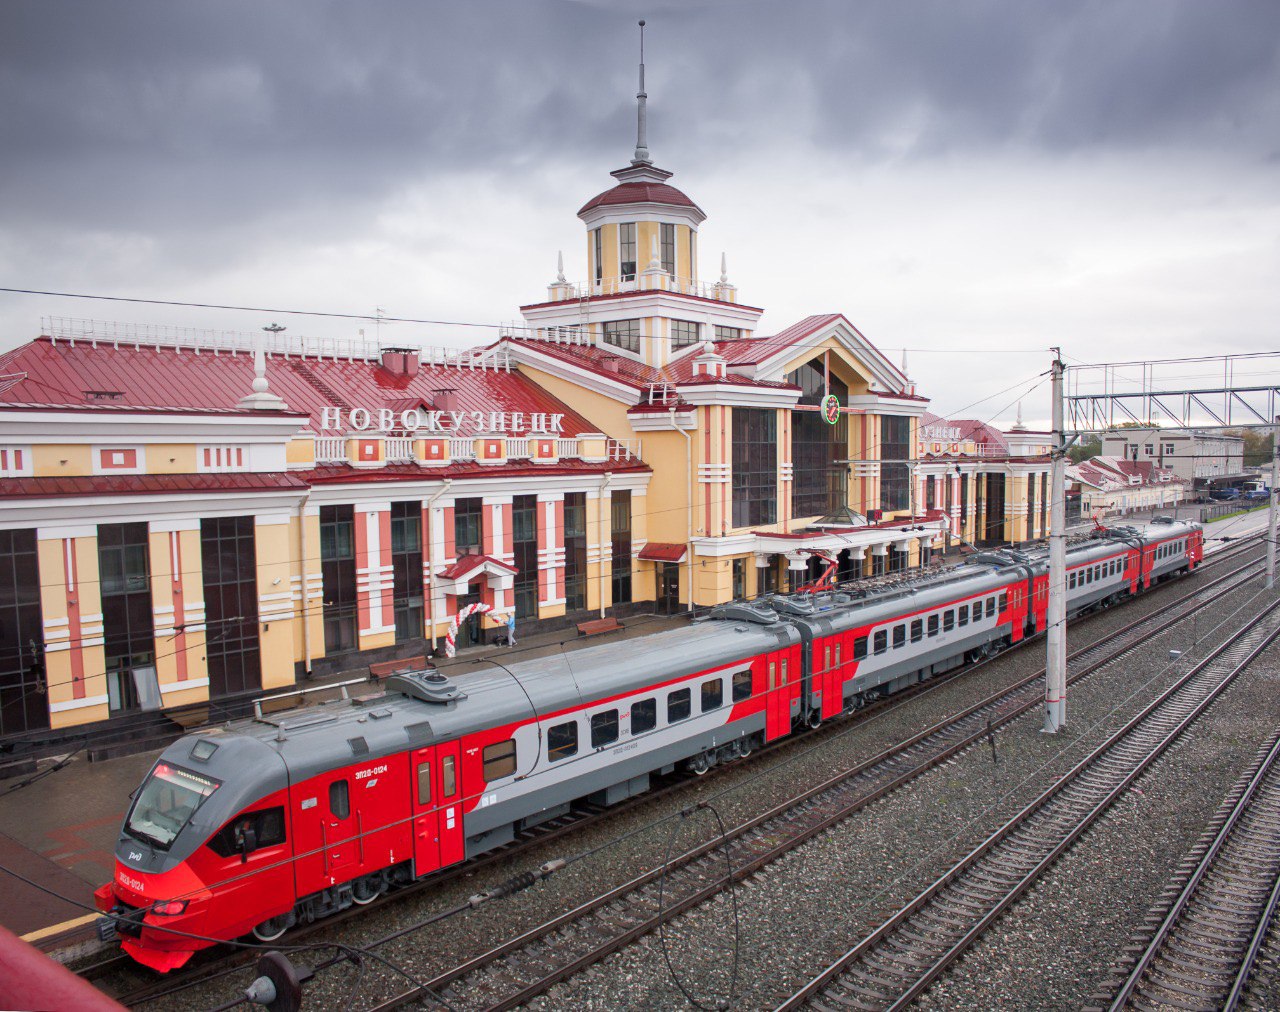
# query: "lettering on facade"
942,433
454,422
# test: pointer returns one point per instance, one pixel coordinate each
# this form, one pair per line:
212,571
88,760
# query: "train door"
437,808
449,802
777,698
832,677
324,837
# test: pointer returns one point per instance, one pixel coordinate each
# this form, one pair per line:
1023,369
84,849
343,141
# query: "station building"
190,519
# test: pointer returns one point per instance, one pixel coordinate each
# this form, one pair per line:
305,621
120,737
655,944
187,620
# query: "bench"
384,668
596,626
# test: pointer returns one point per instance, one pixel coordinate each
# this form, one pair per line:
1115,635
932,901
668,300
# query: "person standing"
511,629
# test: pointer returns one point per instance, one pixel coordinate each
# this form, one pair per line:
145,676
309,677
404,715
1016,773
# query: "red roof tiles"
147,484
59,373
639,193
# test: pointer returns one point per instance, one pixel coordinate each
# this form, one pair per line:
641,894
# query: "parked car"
1224,494
1258,493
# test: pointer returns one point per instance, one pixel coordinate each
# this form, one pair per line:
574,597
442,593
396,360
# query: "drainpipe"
688,470
306,589
604,484
431,562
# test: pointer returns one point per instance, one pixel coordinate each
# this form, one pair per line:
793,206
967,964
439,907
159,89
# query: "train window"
448,777
1088,575
783,670
268,826
837,655
340,799
1071,581
499,760
859,648
948,620
742,683
644,716
917,630
424,783
963,611
562,740
933,625
679,705
991,607
1004,600
826,657
604,728
899,635
880,642
713,694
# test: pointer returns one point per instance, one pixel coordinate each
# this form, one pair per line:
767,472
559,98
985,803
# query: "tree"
1083,448
1257,446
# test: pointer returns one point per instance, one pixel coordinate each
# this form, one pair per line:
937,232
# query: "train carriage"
293,815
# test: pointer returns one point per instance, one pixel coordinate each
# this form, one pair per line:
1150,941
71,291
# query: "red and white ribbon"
450,639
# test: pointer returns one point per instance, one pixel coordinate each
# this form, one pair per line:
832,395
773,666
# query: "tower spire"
642,142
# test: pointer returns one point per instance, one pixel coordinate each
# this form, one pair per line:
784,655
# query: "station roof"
93,376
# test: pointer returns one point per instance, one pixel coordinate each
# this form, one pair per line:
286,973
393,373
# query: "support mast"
1055,678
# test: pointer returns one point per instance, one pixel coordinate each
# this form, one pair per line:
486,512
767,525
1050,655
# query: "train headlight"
169,908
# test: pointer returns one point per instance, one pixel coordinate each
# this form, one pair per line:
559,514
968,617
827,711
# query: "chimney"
400,361
444,400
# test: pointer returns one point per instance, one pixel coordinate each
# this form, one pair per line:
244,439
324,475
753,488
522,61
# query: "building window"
728,333
1031,506
338,572
468,526
739,579
127,620
575,550
627,250
895,472
668,244
597,248
620,527
23,689
755,466
818,450
524,543
406,568
930,493
230,573
624,334
683,333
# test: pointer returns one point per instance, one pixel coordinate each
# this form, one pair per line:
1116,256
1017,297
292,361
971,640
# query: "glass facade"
524,531
127,619
406,569
624,334
575,550
895,472
620,529
229,564
338,572
755,467
818,449
683,333
24,703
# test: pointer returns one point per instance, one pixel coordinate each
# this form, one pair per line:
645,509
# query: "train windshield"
166,803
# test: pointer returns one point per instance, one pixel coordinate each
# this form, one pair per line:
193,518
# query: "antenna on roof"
642,143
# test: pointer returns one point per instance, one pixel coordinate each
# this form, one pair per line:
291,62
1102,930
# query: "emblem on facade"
831,409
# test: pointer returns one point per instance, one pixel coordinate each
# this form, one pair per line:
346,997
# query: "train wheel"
745,748
269,931
700,764
366,890
814,719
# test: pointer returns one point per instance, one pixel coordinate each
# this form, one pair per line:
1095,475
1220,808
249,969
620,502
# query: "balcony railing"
331,450
399,450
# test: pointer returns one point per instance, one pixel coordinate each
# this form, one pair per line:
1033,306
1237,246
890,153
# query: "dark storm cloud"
168,116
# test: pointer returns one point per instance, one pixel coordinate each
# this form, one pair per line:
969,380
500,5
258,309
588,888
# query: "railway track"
522,968
1202,951
913,948
133,985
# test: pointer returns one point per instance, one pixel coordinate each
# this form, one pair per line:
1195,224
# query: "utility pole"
1055,669
1272,507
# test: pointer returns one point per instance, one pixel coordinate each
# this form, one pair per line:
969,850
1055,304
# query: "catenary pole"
1055,680
1273,507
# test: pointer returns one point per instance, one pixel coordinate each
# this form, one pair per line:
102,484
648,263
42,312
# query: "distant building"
1201,459
1114,486
993,485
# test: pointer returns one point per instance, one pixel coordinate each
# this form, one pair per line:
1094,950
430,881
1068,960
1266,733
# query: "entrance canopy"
457,577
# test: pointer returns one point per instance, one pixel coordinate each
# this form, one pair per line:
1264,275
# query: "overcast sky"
952,176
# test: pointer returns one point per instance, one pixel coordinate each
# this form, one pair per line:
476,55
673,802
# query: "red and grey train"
284,818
